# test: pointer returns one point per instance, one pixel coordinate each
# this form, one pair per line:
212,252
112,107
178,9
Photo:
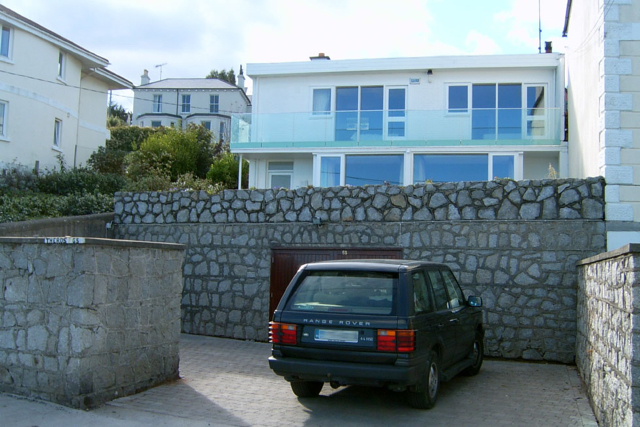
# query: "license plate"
334,335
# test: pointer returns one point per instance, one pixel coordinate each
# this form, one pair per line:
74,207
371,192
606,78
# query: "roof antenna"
160,66
539,29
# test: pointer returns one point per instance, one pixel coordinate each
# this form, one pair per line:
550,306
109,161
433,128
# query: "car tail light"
401,341
283,333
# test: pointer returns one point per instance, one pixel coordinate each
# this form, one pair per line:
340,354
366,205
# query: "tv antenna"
539,30
160,66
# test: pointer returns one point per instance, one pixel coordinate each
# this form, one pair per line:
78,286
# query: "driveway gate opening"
285,264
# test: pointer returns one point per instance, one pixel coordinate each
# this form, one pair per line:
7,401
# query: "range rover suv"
401,324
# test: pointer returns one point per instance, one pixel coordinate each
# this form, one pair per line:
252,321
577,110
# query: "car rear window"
345,292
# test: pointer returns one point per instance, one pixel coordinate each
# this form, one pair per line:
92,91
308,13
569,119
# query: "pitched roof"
196,83
88,58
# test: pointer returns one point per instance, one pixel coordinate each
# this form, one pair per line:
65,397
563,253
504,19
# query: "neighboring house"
53,96
180,102
604,106
403,120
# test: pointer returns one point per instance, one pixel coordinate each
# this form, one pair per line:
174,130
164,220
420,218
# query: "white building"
53,96
180,102
604,109
403,120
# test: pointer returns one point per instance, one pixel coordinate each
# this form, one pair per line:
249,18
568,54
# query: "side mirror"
474,301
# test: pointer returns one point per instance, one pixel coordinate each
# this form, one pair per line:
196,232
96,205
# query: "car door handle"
454,320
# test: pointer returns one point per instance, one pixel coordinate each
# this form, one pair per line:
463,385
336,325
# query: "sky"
193,37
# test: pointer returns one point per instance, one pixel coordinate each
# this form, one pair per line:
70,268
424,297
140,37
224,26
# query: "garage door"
285,264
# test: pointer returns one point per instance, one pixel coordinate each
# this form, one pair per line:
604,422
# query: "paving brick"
227,382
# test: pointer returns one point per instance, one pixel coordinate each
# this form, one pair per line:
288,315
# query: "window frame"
156,123
62,65
321,114
206,124
457,111
4,29
280,172
532,117
185,107
517,156
57,134
214,107
389,118
157,103
4,114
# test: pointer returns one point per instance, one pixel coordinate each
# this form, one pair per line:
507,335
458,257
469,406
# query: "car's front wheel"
306,388
428,395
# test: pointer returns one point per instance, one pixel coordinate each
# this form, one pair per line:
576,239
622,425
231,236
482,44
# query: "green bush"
31,206
224,171
107,161
128,138
80,181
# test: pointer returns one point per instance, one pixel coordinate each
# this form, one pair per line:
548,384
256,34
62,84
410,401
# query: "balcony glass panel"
329,171
503,166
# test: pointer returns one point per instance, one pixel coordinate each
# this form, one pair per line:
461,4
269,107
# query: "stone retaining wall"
83,321
608,338
514,243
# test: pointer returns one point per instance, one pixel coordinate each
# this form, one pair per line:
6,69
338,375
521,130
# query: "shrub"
36,205
224,171
107,161
80,181
128,138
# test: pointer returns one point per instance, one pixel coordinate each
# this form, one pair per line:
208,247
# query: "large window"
3,119
462,167
214,103
157,103
364,123
374,169
5,42
57,133
450,167
186,103
280,174
156,123
321,101
497,111
330,171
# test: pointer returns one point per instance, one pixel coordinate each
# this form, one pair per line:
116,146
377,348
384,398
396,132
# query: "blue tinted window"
535,100
458,99
4,42
509,111
371,117
450,167
329,171
483,122
396,102
373,170
503,167
321,101
484,96
346,120
396,129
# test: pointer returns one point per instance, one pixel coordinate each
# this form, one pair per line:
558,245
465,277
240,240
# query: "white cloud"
480,44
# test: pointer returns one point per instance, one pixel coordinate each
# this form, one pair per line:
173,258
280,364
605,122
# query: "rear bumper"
345,373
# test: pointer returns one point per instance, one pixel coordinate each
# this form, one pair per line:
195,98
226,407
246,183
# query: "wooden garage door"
285,264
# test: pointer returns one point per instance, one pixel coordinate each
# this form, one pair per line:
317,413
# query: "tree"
117,115
224,75
224,171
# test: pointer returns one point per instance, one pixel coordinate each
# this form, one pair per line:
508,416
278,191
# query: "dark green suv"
401,324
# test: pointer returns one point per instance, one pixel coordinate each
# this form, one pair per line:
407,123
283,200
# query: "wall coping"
92,241
632,248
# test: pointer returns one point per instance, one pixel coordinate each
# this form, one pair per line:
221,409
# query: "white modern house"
180,102
53,96
604,109
401,121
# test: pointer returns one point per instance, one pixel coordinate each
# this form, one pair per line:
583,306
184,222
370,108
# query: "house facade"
180,102
53,96
604,108
403,120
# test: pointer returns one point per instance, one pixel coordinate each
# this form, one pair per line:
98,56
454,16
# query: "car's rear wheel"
306,388
477,354
427,397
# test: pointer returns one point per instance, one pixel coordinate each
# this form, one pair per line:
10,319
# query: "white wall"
37,97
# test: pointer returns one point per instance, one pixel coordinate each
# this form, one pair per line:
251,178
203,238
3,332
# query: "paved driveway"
228,383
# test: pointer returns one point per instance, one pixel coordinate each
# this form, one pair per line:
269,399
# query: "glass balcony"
400,128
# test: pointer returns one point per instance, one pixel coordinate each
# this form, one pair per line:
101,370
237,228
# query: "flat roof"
318,66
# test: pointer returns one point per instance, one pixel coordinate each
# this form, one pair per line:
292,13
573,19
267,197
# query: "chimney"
241,79
321,56
547,47
144,78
